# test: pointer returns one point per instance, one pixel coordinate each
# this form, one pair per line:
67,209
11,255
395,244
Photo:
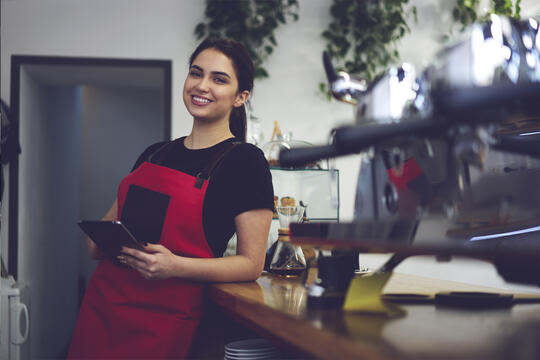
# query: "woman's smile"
199,100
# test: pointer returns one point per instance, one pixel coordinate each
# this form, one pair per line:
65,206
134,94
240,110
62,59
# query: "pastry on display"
288,201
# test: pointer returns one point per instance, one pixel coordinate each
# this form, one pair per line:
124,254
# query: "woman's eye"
194,74
220,80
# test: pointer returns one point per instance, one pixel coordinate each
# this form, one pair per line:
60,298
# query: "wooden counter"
275,307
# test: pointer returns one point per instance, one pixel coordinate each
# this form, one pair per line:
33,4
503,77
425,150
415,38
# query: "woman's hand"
157,262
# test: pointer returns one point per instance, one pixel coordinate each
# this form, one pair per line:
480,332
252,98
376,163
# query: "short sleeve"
250,181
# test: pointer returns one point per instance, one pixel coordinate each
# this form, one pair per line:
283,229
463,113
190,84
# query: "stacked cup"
251,349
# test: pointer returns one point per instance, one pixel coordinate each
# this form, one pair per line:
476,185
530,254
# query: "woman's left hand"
156,262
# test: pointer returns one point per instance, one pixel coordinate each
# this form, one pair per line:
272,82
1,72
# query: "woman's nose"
202,84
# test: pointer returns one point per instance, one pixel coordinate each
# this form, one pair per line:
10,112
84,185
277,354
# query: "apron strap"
213,164
210,167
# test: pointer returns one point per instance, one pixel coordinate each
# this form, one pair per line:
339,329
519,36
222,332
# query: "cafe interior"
403,140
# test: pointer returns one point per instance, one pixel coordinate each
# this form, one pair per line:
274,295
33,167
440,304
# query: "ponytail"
238,122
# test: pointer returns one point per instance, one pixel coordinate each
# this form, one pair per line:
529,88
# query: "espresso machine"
449,155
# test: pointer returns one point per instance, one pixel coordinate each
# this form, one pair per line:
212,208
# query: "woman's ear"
241,98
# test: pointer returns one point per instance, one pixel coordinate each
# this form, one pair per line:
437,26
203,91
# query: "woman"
185,198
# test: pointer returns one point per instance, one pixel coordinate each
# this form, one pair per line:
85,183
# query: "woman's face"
211,87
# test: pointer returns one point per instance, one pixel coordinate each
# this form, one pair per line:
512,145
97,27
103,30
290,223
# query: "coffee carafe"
288,259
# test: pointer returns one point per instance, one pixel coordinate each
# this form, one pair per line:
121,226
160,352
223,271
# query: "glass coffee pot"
288,259
280,141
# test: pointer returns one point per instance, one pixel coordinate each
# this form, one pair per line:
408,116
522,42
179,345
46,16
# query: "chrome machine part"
388,97
348,88
385,99
343,86
497,51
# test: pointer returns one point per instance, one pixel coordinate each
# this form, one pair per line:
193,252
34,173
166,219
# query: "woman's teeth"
201,100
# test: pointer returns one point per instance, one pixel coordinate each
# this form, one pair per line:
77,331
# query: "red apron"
126,316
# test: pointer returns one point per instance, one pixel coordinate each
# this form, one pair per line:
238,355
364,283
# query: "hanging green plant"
362,36
251,22
466,11
505,7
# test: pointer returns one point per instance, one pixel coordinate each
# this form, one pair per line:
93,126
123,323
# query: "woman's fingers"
134,253
132,261
145,264
148,249
154,248
151,264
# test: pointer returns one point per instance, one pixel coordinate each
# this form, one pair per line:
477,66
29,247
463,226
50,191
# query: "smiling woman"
230,66
211,90
185,198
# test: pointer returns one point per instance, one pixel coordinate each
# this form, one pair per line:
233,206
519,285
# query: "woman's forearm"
158,262
225,269
252,233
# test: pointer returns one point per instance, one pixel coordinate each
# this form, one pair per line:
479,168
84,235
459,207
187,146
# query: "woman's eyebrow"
221,73
196,67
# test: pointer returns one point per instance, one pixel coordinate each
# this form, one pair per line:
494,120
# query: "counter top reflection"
275,307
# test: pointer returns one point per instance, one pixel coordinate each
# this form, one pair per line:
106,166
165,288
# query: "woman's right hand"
94,251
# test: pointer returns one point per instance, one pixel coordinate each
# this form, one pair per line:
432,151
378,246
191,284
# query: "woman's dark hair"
243,65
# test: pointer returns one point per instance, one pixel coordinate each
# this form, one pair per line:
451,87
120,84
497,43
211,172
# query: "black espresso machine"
449,158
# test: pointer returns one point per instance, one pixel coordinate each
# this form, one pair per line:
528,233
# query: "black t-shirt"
241,182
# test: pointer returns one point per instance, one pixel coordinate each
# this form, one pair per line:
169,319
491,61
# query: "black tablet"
109,236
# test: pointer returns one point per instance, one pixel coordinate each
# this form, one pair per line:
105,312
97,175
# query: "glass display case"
316,189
